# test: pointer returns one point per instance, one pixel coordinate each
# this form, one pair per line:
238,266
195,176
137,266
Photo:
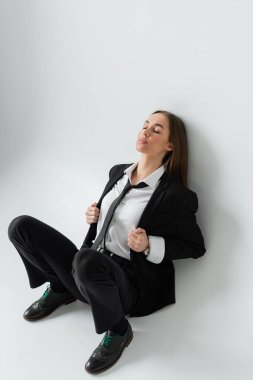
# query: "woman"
144,219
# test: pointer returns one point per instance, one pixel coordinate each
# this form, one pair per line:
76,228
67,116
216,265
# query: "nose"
146,132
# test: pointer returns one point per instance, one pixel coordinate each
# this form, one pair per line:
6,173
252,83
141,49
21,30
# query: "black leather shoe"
108,351
46,304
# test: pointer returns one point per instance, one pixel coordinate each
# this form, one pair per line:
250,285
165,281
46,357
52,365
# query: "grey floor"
202,336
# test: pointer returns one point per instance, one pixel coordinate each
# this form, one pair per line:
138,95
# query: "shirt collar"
152,179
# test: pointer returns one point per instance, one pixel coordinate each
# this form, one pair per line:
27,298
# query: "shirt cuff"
157,249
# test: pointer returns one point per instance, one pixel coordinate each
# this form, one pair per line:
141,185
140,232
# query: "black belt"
120,260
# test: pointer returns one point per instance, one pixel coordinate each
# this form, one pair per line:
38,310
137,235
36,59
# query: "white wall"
78,78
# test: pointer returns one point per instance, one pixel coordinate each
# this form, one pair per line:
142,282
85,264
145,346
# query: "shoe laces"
45,294
107,339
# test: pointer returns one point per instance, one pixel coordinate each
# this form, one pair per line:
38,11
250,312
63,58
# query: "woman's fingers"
92,210
92,213
135,232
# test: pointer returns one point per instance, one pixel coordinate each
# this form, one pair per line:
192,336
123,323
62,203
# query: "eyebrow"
157,124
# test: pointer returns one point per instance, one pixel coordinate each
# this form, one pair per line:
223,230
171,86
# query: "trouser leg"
46,253
106,286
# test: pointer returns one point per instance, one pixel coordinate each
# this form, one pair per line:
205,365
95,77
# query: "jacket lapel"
92,231
111,183
154,201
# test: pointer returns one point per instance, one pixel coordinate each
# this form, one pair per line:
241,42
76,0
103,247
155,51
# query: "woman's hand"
92,213
138,240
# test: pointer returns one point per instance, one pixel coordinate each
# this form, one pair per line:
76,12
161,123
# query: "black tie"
111,210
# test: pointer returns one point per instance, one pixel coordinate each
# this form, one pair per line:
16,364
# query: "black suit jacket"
169,213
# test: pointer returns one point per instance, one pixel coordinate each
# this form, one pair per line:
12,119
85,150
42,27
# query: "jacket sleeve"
188,241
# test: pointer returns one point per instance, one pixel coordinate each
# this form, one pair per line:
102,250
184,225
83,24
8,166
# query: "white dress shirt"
127,215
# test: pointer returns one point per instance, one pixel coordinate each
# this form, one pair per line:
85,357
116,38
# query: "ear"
170,147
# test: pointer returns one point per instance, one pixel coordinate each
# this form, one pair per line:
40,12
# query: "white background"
78,78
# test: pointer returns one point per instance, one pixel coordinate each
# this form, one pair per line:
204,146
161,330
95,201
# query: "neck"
146,166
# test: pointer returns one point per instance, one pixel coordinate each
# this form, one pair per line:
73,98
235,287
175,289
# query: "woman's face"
153,138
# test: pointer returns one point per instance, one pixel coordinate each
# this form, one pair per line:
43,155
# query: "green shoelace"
107,340
45,294
105,343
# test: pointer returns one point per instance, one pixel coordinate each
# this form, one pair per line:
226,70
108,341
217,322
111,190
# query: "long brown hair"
176,161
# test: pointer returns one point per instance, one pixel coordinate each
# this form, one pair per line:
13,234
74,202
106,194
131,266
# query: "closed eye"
153,130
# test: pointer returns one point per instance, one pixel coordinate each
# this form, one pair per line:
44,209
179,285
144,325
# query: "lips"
142,141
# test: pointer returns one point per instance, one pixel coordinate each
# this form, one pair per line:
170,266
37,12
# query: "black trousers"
91,276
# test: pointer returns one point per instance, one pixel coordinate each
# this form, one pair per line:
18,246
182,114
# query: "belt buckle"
108,253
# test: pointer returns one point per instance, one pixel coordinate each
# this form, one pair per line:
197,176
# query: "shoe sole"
112,364
50,312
